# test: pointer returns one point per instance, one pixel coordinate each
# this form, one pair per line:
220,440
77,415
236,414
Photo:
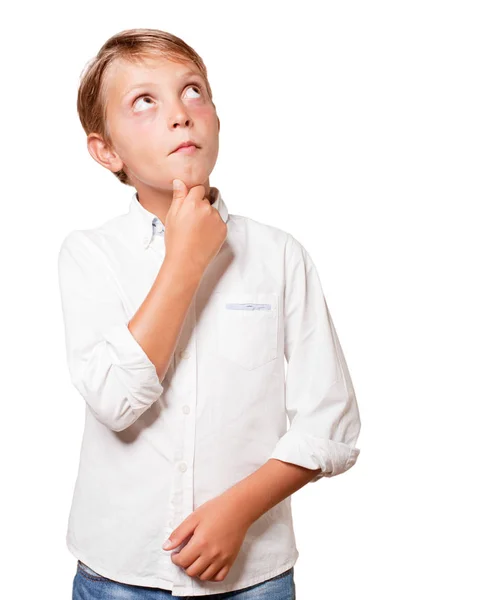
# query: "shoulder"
258,231
270,235
271,240
94,239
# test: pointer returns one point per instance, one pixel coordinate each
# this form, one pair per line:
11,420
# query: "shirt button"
184,354
183,466
185,409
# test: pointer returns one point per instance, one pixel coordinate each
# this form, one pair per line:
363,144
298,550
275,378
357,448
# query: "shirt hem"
165,584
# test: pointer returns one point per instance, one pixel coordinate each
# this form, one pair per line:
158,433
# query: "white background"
365,129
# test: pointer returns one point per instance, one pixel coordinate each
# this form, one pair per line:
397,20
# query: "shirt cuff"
135,370
308,451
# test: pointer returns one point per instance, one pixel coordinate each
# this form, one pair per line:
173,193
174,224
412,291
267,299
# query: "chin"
192,177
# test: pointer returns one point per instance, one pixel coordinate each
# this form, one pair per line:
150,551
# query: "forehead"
122,74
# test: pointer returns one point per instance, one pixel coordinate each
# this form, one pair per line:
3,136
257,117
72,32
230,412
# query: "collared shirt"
257,373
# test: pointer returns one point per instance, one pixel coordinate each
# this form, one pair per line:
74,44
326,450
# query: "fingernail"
176,184
167,544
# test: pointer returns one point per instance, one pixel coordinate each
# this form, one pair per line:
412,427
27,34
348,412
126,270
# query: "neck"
158,201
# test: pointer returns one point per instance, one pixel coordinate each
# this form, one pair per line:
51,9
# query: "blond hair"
131,45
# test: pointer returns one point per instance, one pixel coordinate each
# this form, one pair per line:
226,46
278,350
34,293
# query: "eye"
140,98
193,86
197,87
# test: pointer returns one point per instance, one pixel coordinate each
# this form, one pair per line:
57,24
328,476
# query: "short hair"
131,45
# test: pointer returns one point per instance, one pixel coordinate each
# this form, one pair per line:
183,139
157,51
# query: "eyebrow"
152,84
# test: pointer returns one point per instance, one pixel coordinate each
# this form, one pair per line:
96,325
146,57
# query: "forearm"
267,486
158,322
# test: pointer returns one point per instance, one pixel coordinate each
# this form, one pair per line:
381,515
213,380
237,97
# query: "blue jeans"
89,585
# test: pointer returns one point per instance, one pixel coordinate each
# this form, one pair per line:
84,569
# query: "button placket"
181,502
187,383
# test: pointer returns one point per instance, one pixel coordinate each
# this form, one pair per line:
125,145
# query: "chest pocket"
246,326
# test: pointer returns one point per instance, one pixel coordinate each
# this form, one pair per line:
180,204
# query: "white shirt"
153,451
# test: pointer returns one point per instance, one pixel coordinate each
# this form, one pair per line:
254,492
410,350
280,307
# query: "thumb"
185,529
180,189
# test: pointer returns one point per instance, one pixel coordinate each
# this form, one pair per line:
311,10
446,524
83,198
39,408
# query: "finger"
180,533
199,566
185,550
210,572
220,576
180,191
188,554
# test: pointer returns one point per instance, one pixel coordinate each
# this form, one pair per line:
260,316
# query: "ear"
103,153
218,118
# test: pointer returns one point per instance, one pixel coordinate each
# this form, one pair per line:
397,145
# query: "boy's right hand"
194,230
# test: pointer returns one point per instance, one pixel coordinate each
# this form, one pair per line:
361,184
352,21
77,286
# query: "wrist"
185,267
246,508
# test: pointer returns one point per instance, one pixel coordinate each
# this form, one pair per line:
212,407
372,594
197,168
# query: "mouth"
186,148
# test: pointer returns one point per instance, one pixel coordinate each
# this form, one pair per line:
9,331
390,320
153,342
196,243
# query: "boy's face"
167,105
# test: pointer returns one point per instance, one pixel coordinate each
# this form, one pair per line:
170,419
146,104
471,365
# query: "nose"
180,117
178,122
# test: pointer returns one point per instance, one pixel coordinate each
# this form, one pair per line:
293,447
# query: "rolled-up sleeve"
107,365
320,400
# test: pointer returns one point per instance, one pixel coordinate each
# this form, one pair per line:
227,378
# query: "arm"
324,426
267,486
320,400
157,323
117,365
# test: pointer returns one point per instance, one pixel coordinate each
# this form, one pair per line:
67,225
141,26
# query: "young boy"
178,316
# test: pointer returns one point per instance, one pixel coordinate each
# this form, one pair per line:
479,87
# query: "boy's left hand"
216,529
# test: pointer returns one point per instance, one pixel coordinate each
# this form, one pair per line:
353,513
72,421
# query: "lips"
186,145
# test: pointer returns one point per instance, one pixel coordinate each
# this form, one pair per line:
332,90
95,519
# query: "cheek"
144,141
207,116
205,111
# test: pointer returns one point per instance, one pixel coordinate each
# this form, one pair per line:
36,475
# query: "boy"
178,316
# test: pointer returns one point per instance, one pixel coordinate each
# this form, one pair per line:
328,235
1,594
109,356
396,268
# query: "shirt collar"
148,224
